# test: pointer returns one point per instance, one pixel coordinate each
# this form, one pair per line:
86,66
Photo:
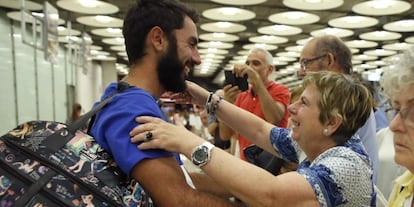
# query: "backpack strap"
54,144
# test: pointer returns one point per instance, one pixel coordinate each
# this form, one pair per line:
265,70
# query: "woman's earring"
325,131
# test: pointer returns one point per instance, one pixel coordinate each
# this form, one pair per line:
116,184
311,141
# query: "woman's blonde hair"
340,95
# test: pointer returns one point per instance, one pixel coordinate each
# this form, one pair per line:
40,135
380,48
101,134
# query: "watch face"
201,154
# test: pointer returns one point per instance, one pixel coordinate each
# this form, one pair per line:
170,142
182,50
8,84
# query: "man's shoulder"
272,84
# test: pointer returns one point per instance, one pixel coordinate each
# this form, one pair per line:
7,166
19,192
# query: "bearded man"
161,42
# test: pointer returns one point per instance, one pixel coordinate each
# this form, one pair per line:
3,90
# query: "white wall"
33,89
89,86
7,100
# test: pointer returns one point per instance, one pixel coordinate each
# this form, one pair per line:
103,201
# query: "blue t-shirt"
114,122
341,175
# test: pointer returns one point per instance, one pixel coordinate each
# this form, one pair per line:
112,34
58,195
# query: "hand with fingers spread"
164,135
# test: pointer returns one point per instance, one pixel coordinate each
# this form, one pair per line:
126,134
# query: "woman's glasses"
407,116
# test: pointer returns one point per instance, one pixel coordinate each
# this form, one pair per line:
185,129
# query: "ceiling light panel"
377,63
294,18
100,21
363,57
361,44
119,48
353,22
215,44
381,7
108,32
114,41
239,3
228,14
225,27
279,29
259,45
243,52
219,36
400,26
88,6
380,52
288,54
297,48
313,4
332,31
268,39
213,51
15,4
380,35
397,46
410,39
63,31
29,18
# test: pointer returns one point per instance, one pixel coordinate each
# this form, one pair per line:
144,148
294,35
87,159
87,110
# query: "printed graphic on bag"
84,173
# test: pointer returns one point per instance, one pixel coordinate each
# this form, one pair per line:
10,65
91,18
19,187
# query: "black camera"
240,82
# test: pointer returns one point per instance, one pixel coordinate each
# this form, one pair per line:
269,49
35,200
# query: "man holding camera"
264,98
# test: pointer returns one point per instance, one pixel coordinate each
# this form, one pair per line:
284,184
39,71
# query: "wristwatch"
202,154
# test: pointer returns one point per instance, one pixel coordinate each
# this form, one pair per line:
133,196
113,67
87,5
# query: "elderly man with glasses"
330,53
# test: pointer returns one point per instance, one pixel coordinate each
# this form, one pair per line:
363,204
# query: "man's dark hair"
167,14
339,50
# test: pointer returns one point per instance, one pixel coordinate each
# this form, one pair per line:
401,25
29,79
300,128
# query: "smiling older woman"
398,85
336,171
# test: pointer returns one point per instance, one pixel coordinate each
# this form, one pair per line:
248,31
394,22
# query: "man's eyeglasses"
305,62
407,116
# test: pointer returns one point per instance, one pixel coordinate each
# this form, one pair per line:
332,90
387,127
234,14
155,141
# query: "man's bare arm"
164,180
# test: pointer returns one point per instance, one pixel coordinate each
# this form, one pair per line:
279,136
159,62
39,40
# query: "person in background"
388,169
398,85
330,53
76,112
204,132
265,98
162,49
336,171
214,129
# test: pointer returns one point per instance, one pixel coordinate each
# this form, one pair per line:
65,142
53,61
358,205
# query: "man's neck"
145,78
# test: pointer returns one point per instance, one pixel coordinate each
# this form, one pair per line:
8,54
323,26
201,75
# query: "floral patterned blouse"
341,175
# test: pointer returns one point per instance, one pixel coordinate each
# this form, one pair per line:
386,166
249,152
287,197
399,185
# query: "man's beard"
170,70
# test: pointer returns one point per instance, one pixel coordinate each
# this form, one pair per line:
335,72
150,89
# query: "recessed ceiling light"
361,44
397,46
279,29
381,7
226,27
88,6
352,22
380,35
380,52
229,14
14,4
313,4
400,26
219,36
268,39
294,18
332,31
259,45
238,2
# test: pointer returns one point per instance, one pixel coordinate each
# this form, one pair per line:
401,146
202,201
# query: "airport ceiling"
375,30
